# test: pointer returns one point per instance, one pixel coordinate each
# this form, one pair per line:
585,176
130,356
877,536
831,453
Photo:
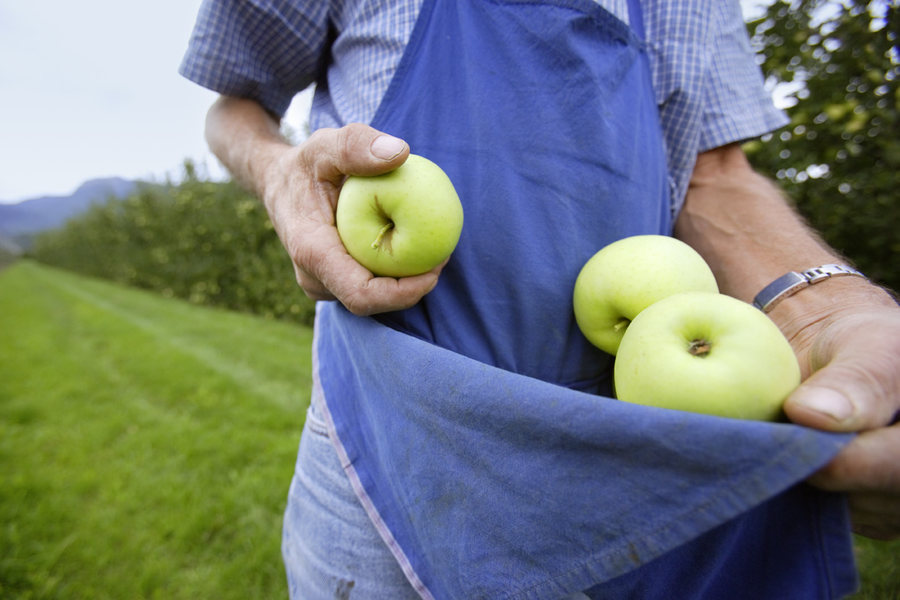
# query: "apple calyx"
380,237
699,347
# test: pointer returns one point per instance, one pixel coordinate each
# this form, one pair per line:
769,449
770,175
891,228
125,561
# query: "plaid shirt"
708,86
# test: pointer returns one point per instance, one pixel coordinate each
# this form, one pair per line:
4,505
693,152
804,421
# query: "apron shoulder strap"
636,18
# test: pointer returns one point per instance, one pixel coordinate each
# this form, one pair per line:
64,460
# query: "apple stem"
621,324
699,347
388,226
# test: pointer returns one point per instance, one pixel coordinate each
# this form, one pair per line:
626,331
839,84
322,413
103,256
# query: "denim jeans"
331,549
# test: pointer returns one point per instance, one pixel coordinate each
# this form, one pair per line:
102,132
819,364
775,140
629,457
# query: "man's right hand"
300,185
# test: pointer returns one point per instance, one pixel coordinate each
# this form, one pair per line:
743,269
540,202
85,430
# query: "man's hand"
301,194
854,361
300,185
845,331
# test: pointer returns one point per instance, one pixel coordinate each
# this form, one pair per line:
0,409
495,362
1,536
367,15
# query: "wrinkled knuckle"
357,306
303,281
359,302
319,137
354,131
311,286
317,147
880,379
358,310
350,137
307,267
315,295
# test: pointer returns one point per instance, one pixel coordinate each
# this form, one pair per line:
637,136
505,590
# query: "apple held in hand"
627,276
401,223
706,353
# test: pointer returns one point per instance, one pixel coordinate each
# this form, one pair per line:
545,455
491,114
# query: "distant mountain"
18,222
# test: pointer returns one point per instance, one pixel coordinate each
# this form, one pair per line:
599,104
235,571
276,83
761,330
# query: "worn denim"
331,549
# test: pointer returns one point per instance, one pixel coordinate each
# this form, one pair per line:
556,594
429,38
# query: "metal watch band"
791,283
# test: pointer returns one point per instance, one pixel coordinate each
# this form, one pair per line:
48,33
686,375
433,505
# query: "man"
564,125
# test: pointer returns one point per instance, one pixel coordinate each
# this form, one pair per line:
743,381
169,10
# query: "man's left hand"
853,359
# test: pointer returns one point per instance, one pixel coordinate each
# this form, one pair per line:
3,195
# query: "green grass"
146,445
879,569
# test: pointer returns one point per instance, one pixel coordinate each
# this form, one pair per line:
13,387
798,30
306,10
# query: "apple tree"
204,241
837,66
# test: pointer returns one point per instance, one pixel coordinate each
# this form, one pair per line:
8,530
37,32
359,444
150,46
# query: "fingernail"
828,402
387,147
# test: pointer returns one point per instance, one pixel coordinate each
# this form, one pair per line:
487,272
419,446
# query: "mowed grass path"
146,445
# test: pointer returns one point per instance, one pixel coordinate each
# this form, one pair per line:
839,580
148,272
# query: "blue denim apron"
476,427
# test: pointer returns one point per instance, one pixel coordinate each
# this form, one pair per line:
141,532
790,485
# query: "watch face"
780,289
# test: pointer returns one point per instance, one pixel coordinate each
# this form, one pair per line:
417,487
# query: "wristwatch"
791,283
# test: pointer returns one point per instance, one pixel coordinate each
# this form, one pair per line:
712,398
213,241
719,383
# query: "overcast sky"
90,89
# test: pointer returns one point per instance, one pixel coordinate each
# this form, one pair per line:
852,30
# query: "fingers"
384,294
376,295
326,272
867,470
855,386
868,463
364,294
303,214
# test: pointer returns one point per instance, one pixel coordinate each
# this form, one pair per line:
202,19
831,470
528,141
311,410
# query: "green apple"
627,276
401,223
706,353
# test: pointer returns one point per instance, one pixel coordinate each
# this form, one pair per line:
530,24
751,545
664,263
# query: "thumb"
354,149
387,147
856,385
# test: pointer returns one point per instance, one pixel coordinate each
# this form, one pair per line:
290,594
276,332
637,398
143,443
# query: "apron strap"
636,18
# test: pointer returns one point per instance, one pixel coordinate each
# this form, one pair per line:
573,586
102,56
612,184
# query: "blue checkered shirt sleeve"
708,86
266,50
737,105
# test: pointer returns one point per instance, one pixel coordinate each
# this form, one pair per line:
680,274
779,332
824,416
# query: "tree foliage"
839,158
207,242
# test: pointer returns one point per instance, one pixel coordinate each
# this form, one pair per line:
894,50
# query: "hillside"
21,220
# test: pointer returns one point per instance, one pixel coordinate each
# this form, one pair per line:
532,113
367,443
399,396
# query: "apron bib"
476,427
544,118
